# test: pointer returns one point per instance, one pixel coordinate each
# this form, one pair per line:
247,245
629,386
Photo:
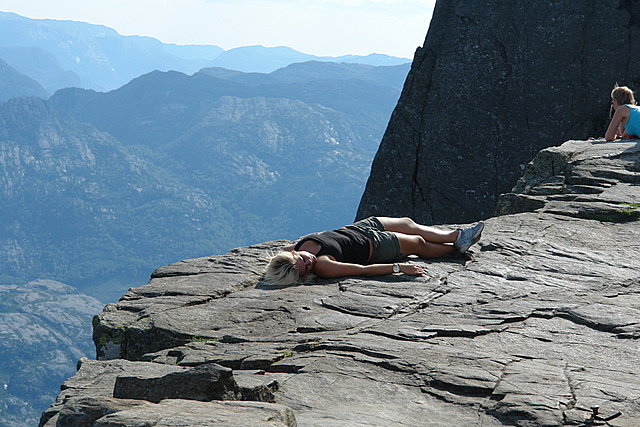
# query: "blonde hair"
623,95
282,269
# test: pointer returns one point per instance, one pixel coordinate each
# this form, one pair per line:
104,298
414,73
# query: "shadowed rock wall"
494,83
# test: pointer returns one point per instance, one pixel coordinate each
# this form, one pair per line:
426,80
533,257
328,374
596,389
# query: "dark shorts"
386,247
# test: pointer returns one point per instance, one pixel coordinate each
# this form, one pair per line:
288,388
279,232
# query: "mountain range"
99,188
61,54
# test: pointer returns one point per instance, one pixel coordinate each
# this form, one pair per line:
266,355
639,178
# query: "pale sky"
317,27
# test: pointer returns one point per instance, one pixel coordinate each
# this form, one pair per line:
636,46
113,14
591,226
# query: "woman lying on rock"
625,122
370,247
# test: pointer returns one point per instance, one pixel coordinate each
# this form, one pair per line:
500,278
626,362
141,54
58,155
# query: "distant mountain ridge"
98,187
77,206
14,83
42,66
97,57
175,99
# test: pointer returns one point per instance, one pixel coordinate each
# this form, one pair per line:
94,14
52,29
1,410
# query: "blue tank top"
633,124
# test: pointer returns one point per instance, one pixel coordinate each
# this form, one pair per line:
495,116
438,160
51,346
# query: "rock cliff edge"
540,322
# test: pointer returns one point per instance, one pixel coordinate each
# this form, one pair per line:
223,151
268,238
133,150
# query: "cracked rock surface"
536,324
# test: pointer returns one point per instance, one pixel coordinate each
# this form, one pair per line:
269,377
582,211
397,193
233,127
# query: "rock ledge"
539,323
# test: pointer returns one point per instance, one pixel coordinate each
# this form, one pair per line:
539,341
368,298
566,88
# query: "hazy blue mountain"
150,110
259,59
40,65
195,52
45,327
78,207
310,71
13,83
97,189
262,59
376,59
99,55
156,108
295,165
293,147
104,60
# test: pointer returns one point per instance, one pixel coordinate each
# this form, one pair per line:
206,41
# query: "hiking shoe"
468,236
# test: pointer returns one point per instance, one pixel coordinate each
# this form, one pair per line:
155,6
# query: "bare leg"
417,245
409,226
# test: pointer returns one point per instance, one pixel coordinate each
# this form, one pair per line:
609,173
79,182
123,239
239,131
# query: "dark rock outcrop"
204,383
539,323
494,83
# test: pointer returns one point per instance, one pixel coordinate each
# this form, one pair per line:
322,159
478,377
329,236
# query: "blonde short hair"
282,269
623,95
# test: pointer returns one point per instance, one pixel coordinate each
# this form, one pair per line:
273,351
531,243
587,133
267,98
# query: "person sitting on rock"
369,247
625,122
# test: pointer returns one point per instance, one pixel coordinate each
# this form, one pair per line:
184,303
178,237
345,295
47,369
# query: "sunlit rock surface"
537,324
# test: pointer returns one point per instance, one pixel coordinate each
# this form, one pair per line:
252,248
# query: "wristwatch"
396,268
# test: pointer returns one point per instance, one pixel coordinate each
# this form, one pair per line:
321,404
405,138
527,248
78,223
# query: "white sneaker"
468,236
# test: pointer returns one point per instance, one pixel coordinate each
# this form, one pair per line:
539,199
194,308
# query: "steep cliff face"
494,83
535,326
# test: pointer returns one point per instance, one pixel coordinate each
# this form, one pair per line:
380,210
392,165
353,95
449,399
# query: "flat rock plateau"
534,326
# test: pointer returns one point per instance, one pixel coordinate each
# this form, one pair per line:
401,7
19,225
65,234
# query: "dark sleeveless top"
345,245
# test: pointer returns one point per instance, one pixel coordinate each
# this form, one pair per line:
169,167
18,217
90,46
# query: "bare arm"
327,267
614,131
